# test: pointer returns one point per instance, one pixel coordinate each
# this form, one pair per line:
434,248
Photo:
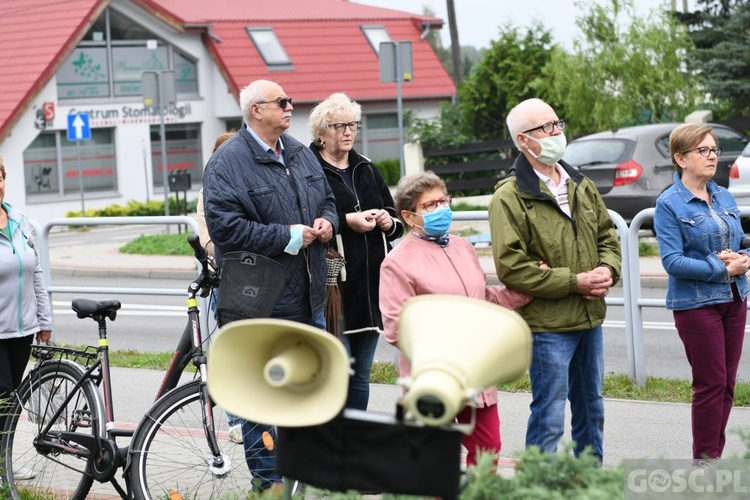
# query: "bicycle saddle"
86,308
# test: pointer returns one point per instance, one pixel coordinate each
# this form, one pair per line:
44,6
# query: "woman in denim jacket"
697,224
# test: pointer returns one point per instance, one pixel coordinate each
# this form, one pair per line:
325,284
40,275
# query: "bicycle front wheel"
47,466
170,453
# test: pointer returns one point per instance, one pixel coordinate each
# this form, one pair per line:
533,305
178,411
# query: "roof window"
269,47
375,35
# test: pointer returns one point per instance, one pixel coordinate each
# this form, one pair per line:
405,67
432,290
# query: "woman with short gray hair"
367,226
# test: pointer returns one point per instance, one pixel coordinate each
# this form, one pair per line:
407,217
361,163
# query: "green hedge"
391,170
136,208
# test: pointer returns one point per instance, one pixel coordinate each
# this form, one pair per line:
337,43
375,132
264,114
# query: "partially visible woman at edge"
429,261
25,311
698,228
235,423
367,226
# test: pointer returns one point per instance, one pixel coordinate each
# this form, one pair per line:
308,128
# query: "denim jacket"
689,239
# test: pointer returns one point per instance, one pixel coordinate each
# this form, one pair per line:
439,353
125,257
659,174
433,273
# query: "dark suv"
631,166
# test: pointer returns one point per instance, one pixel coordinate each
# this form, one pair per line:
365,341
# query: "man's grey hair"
519,120
335,104
251,94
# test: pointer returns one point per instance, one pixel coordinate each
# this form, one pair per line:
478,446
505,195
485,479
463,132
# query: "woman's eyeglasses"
339,127
548,127
283,102
430,206
705,151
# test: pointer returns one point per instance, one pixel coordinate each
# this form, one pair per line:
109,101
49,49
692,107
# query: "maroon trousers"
486,435
713,337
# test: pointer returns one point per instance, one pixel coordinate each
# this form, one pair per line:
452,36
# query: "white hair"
252,94
518,119
335,104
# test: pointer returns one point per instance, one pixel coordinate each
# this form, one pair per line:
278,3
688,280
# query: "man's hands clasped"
594,284
321,230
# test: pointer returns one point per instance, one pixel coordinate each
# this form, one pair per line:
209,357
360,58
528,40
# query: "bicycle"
60,433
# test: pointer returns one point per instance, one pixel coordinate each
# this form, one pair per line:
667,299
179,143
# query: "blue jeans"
361,346
259,460
564,366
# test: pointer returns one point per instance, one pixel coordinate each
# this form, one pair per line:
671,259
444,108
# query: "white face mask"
553,148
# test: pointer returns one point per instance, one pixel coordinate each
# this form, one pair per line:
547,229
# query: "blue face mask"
437,222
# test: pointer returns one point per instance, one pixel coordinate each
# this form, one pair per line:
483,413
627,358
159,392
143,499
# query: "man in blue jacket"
265,192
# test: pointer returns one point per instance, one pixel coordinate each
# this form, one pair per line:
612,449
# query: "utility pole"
455,45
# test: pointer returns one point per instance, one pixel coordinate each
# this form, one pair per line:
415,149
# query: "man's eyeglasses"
548,127
430,206
340,127
705,151
283,102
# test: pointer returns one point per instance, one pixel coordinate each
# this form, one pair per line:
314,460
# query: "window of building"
184,152
112,56
269,47
375,35
380,136
52,169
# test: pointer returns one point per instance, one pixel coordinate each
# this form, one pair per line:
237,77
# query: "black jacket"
251,200
363,252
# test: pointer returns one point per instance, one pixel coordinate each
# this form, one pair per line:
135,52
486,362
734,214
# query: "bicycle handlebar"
207,277
200,252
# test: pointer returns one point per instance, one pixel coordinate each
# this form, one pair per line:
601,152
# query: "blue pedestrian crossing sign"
79,127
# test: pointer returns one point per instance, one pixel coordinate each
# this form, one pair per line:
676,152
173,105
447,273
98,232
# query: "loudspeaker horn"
278,372
457,347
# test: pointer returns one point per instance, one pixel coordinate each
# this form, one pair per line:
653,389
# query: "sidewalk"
105,260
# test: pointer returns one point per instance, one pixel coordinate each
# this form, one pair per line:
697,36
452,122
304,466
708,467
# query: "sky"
479,20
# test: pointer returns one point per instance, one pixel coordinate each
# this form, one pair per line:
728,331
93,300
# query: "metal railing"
43,234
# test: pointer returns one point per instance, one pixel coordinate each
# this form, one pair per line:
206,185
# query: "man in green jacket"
545,212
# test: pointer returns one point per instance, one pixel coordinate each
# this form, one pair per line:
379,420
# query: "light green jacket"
528,227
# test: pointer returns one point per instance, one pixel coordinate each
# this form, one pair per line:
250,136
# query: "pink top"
421,267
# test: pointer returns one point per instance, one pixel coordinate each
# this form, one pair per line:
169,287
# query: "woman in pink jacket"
429,261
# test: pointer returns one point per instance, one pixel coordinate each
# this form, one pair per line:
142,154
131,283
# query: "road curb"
171,274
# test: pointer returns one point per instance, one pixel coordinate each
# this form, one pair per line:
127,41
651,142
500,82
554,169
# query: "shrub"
391,170
137,209
545,476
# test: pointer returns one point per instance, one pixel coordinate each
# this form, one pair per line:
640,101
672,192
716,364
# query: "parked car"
739,178
631,166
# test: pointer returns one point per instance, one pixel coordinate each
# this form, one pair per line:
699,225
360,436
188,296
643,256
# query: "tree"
722,56
509,72
624,70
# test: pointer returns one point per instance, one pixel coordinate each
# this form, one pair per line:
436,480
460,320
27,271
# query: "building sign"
49,111
108,117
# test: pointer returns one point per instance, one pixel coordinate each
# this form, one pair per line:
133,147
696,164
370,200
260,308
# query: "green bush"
545,476
391,170
137,209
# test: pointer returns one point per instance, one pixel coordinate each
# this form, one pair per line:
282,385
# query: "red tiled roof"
201,11
36,37
323,39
